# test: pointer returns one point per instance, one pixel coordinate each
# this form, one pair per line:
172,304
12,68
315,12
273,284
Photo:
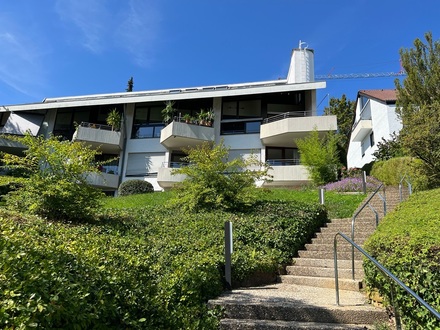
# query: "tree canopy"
214,182
320,156
344,110
57,187
418,104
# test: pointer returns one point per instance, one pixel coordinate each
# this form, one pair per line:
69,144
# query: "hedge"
132,187
150,268
407,242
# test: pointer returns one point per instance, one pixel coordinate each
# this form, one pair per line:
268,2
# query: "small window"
371,139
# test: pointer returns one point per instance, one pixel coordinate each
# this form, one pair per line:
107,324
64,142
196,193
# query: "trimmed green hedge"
149,268
407,242
390,172
132,187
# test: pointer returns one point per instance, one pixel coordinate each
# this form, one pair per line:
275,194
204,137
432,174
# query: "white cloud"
101,26
137,31
90,18
20,59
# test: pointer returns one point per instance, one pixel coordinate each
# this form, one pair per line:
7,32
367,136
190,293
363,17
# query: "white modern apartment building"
375,118
260,118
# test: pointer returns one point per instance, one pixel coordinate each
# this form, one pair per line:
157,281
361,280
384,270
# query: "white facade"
375,119
261,118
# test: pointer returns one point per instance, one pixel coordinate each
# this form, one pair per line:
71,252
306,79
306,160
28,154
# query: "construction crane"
360,75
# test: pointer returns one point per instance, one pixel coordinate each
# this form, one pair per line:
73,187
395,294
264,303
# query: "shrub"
57,187
407,242
352,185
132,187
144,268
391,171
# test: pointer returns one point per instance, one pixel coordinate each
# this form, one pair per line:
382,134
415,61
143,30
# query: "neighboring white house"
262,118
375,119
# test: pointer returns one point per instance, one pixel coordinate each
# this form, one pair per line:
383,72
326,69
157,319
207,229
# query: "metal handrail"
382,269
353,220
292,114
405,178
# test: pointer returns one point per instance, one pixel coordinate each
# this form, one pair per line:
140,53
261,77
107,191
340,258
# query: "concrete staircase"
304,298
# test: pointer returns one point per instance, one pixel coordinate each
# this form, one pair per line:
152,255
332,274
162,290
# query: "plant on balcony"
205,117
114,119
168,112
187,118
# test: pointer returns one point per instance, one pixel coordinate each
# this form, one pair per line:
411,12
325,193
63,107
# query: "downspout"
124,146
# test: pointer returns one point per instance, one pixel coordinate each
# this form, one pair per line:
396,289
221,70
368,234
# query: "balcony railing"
283,162
285,115
96,126
174,164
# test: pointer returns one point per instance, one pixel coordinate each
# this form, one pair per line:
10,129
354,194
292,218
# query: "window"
371,139
280,156
147,122
240,127
176,159
241,109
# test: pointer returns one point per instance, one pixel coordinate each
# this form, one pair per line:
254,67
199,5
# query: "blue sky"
53,48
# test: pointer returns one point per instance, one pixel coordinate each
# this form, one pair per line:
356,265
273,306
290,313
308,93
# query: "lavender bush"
352,185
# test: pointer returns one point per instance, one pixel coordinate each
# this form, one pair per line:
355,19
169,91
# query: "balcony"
285,128
104,181
178,135
361,129
287,173
167,180
100,137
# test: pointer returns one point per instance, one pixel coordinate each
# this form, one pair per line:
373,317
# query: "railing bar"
385,271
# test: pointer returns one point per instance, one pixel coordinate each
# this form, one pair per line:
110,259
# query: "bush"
144,268
57,187
391,171
352,185
407,242
132,187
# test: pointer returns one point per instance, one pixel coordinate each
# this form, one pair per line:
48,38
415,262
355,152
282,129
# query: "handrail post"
321,196
228,252
335,256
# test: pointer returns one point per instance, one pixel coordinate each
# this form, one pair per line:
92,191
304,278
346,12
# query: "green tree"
214,182
320,156
344,110
418,104
387,149
57,187
129,85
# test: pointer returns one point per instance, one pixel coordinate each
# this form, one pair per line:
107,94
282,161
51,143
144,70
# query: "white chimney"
301,68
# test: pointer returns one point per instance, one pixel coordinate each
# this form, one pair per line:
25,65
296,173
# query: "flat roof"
271,86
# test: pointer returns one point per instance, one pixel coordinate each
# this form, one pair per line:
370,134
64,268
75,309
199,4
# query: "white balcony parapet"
166,179
362,128
178,135
103,180
286,129
99,136
293,175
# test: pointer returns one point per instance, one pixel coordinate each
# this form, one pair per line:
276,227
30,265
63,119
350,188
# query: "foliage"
344,110
393,170
418,104
144,268
114,119
138,200
57,187
407,242
132,187
320,156
387,149
168,112
354,184
129,85
213,182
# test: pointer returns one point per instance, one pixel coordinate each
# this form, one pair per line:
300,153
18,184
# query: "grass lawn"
339,205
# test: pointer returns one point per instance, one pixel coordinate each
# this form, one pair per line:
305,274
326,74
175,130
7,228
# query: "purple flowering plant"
352,184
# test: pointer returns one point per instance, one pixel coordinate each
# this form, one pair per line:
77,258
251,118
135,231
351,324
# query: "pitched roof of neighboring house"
388,96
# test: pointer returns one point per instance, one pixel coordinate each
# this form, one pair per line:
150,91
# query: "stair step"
249,324
344,255
321,282
325,263
345,273
330,239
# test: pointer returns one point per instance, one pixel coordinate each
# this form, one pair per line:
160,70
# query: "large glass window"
147,122
279,156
